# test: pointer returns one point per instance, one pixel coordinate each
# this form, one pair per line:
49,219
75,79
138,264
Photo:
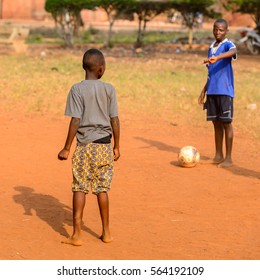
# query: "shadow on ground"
236,170
48,208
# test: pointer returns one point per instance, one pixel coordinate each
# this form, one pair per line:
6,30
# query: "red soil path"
158,209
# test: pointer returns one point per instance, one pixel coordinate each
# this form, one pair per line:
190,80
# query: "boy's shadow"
165,147
48,209
237,170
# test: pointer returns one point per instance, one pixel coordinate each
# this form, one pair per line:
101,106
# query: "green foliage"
93,31
114,10
92,35
146,11
35,38
189,9
66,14
54,6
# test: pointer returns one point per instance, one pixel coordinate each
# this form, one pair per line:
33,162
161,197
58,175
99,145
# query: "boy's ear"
100,71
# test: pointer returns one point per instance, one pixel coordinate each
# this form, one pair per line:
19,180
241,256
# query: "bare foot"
217,160
225,163
212,161
72,241
106,239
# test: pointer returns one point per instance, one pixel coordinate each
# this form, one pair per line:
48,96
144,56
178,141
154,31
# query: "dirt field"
158,209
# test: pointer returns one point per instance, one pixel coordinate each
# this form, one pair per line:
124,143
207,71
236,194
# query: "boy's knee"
218,124
227,124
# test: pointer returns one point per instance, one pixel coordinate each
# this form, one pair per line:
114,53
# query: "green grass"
165,88
93,35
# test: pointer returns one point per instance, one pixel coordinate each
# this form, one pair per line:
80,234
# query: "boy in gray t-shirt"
92,106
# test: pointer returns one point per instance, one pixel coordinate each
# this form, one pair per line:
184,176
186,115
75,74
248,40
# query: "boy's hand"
201,98
213,59
116,154
63,154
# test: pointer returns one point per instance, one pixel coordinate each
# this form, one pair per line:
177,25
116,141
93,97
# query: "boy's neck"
220,41
91,76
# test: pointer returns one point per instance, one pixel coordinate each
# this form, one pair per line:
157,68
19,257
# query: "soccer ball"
188,156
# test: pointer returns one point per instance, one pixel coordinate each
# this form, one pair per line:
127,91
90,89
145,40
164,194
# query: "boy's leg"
79,199
229,142
103,203
219,134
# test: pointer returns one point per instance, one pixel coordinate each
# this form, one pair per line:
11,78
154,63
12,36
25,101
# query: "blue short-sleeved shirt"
220,73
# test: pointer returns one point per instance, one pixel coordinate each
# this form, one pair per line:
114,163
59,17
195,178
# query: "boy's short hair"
92,59
221,20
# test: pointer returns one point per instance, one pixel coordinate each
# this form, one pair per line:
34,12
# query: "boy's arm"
202,95
227,54
116,134
73,128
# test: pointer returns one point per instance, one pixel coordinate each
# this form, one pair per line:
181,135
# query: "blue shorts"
219,108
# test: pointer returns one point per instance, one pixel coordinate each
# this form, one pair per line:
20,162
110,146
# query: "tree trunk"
144,28
65,29
138,43
109,37
68,31
190,37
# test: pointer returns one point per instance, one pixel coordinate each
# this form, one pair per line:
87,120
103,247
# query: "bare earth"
158,209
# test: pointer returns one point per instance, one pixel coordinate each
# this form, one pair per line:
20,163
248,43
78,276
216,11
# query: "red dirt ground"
158,209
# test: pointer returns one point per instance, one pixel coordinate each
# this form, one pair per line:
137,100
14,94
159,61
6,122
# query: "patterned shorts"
92,168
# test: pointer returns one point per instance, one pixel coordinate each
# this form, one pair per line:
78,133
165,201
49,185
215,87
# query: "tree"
66,14
190,9
145,10
246,7
114,9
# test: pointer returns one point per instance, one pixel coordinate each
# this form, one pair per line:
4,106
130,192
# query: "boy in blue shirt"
219,90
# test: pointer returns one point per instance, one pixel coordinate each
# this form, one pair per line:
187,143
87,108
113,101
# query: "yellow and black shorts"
92,168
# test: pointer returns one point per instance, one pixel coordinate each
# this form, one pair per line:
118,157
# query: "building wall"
22,9
34,9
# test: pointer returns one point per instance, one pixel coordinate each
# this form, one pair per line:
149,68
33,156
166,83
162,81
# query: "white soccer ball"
188,156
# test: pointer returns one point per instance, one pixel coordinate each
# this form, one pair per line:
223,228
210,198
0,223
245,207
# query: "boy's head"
94,61
220,29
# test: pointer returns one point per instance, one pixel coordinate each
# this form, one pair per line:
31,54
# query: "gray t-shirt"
93,102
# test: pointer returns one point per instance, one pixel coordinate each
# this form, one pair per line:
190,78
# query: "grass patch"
93,35
165,88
